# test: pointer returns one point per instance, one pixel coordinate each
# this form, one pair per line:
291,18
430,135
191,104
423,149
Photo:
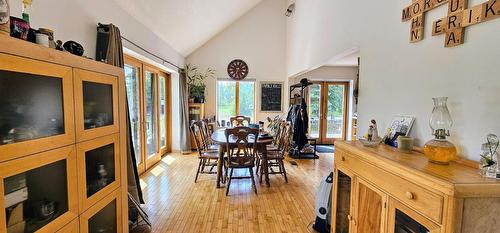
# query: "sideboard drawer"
422,200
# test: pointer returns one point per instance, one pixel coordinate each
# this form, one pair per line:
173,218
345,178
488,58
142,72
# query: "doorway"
328,106
148,102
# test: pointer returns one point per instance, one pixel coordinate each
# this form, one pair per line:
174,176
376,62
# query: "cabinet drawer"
418,198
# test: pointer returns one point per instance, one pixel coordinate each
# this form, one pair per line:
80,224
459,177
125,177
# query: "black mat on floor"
325,148
305,156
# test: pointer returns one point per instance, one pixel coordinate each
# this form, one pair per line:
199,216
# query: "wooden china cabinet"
62,142
382,190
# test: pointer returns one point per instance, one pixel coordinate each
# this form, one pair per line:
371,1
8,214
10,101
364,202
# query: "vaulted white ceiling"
186,24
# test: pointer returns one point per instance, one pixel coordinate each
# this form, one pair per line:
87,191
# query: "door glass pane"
163,111
314,103
343,203
151,135
226,99
31,107
36,197
105,220
99,168
97,104
247,99
335,111
133,98
405,224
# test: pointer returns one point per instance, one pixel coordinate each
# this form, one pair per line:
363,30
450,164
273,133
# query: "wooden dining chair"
275,158
240,153
207,131
278,137
239,121
206,157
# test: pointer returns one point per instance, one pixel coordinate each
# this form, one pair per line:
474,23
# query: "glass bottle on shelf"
26,10
103,180
439,150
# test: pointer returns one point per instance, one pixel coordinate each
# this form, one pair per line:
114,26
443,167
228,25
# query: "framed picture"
399,126
271,96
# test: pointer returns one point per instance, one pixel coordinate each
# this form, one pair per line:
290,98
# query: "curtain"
114,56
114,53
185,137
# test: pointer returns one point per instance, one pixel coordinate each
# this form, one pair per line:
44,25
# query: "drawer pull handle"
410,195
342,158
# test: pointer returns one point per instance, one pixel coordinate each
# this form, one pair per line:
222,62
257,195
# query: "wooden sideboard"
62,142
382,190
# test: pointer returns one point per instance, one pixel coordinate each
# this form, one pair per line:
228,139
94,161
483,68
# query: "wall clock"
237,69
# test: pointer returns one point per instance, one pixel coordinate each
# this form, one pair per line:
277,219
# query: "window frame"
237,96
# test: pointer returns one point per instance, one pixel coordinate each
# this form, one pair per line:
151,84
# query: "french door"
327,107
148,98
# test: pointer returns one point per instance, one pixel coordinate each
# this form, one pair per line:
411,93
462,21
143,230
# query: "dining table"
219,138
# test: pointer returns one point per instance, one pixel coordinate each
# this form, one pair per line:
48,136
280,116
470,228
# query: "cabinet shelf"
60,130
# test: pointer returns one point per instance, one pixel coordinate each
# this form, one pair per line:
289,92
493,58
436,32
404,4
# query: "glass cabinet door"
99,168
103,217
343,183
150,114
133,85
402,219
39,192
96,107
36,107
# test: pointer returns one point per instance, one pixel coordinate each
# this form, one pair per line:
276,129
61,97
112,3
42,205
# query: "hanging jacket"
300,126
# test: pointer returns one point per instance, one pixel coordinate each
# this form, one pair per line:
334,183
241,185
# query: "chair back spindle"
237,121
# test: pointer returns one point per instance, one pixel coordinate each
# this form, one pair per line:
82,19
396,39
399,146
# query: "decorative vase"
439,150
4,17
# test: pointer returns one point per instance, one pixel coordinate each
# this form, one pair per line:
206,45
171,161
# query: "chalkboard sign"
271,95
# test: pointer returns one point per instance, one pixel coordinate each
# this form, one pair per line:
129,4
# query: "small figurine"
59,45
372,131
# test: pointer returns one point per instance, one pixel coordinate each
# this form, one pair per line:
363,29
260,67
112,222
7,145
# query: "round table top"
219,137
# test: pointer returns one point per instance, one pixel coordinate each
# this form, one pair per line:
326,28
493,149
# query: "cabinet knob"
410,195
349,217
342,158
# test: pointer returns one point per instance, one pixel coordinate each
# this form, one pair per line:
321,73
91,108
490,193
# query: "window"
235,98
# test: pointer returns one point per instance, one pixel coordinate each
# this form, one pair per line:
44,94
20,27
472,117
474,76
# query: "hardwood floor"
176,204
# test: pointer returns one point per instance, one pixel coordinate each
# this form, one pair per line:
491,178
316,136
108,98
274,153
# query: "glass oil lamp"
439,150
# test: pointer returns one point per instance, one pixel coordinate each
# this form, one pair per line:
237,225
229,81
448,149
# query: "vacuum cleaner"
324,205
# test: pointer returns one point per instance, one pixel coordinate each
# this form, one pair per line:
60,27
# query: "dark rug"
325,149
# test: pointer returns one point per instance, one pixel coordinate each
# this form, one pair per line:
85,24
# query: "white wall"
77,20
318,31
401,78
259,39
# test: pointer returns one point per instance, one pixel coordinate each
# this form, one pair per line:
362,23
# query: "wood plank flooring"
176,204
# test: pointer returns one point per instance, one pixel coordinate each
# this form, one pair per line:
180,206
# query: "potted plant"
196,82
